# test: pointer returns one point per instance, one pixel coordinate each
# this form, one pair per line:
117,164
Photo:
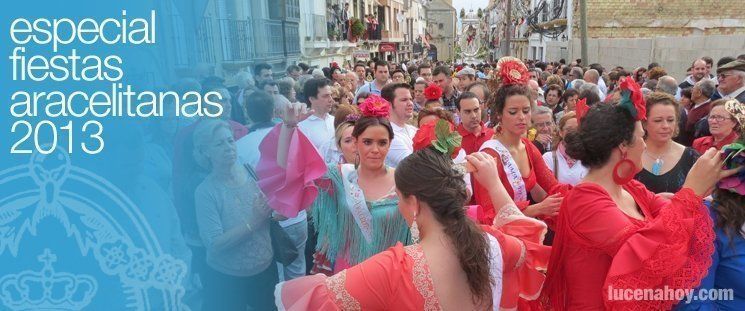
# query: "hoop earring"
414,231
356,160
617,168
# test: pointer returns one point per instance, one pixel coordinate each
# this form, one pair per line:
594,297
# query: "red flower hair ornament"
433,92
512,71
632,99
438,133
581,109
376,107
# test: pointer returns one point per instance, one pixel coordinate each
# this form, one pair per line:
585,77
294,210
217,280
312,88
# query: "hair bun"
575,147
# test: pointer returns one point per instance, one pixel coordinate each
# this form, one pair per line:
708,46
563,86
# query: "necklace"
658,161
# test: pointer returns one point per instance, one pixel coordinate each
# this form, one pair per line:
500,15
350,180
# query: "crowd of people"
429,185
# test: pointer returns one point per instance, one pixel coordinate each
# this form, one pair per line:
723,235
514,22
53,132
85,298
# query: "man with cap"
467,75
731,79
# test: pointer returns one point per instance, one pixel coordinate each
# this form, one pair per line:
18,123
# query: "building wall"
647,18
675,54
441,12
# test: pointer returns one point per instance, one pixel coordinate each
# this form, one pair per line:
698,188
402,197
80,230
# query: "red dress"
598,247
539,174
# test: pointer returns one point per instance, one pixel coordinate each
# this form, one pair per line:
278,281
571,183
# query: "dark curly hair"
730,214
429,176
601,130
497,102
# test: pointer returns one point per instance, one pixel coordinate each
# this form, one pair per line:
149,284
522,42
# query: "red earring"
630,171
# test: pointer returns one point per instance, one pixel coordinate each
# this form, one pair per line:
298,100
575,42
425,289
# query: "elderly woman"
722,126
233,220
665,162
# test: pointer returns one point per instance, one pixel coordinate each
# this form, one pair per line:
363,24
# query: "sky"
469,4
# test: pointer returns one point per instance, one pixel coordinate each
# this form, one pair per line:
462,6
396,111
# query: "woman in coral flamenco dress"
614,234
520,238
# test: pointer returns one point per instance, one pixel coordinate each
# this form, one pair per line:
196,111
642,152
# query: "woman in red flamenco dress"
613,234
521,167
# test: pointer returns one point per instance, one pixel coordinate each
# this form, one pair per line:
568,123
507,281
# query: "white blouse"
567,175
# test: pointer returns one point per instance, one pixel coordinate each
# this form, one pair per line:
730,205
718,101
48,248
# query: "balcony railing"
291,37
315,27
272,33
237,39
205,37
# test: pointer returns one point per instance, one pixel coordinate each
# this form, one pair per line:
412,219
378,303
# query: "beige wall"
675,54
648,18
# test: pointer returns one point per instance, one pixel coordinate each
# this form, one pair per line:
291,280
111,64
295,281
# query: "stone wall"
649,18
675,54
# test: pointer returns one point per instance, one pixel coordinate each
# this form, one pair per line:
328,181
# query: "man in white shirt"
260,109
402,110
319,127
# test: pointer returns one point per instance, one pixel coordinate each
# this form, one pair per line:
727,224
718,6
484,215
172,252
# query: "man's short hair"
709,61
667,84
269,83
292,68
444,70
380,63
541,110
389,91
259,106
463,96
707,87
261,66
311,87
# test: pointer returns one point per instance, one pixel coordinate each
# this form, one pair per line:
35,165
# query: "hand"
548,207
485,169
706,172
294,113
278,217
544,139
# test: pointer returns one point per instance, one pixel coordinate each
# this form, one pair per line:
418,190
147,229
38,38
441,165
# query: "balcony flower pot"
356,29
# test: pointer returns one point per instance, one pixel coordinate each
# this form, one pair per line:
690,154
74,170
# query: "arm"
288,180
370,285
211,230
544,175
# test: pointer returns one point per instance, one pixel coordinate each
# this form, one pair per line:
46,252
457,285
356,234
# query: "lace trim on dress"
506,214
342,298
657,271
422,277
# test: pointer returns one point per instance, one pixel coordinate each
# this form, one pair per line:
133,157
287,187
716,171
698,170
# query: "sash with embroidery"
510,168
356,201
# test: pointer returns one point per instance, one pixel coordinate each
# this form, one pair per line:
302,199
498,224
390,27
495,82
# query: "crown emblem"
47,289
